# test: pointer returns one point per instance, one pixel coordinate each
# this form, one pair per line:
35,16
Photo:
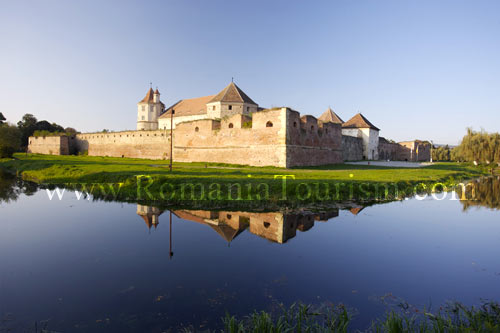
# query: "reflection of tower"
151,215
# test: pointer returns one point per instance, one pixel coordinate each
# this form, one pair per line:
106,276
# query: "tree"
10,140
2,118
29,125
70,130
481,147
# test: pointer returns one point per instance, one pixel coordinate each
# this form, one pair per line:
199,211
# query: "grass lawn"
198,180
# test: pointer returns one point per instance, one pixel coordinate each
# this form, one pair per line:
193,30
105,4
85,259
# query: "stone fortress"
230,127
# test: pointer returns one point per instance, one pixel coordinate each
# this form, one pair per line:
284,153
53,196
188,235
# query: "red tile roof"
359,121
330,117
232,93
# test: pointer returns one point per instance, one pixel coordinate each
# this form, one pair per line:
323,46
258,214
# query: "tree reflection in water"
483,192
11,187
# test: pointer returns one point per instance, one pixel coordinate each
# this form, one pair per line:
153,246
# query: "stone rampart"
352,148
50,145
275,137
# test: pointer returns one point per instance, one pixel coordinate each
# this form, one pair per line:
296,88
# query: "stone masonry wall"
228,141
276,137
352,148
311,142
134,144
50,145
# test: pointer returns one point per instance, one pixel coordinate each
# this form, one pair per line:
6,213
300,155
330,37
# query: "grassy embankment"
218,185
454,317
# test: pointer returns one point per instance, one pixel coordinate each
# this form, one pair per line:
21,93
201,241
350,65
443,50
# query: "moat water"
90,266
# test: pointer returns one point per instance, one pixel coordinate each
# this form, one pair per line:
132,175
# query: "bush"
39,133
10,140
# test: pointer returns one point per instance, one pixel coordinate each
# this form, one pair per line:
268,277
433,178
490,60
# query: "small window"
143,108
143,118
248,109
231,125
269,124
228,216
213,108
312,128
229,107
267,225
294,124
196,129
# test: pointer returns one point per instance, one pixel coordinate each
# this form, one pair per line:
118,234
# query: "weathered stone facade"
51,145
412,151
352,148
275,137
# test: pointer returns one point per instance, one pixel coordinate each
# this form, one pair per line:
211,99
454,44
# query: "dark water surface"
84,266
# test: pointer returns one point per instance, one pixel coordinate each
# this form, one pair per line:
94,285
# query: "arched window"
231,125
267,225
196,129
269,124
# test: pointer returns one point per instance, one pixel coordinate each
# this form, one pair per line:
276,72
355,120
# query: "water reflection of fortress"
275,226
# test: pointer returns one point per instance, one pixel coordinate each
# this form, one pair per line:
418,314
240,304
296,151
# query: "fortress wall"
134,144
311,142
414,151
50,145
214,141
389,150
275,137
352,148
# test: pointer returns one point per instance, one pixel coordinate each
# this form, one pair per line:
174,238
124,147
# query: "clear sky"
416,69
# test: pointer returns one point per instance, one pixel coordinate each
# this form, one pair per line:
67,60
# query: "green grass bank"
210,185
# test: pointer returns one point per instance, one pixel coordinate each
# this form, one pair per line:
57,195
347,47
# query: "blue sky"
416,69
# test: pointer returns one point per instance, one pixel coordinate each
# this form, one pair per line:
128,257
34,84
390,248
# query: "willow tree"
480,146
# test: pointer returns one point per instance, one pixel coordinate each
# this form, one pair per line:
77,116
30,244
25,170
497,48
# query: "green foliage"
29,125
10,140
296,318
481,146
442,154
70,131
39,133
247,124
484,192
454,317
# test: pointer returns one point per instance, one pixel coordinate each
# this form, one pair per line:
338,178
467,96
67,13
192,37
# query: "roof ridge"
227,90
238,91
